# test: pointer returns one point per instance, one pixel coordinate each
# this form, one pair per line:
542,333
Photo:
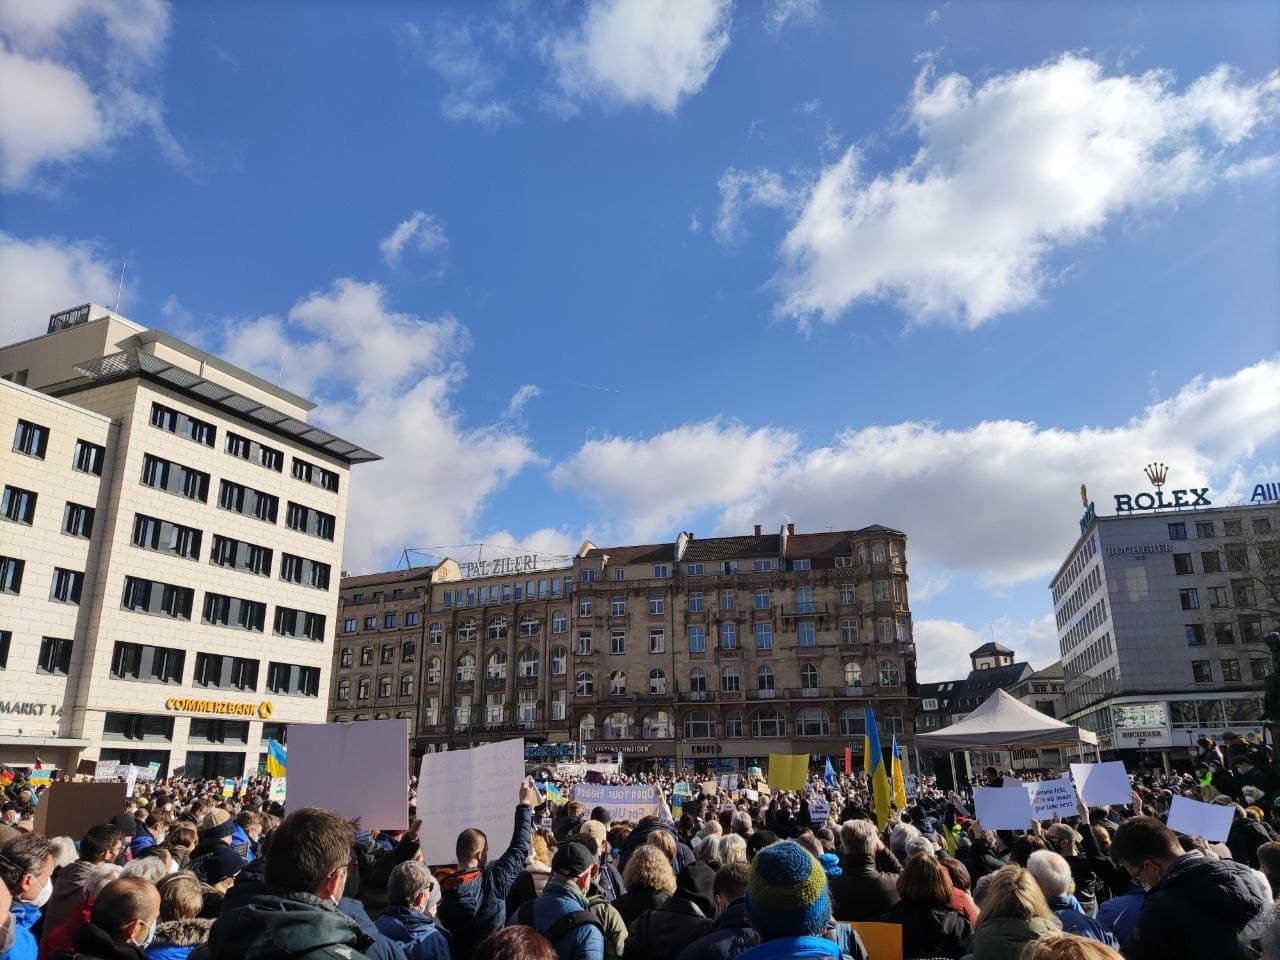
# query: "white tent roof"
1004,721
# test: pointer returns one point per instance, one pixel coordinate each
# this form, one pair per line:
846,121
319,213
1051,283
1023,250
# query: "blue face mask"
151,935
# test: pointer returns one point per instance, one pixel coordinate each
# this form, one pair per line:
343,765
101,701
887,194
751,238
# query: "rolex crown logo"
1157,473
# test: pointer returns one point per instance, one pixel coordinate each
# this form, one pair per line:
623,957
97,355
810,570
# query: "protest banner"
709,787
130,780
753,795
40,778
570,771
623,803
1101,784
355,770
277,793
788,771
819,811
467,788
1053,798
1001,809
755,772
229,786
105,770
912,783
1209,820
69,809
727,783
682,789
153,768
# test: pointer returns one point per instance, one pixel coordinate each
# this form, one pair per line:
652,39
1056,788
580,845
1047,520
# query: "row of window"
1094,617
66,585
1225,632
1237,558
364,686
1206,529
171,600
764,724
1202,670
1079,597
389,621
154,664
1086,553
32,439
54,655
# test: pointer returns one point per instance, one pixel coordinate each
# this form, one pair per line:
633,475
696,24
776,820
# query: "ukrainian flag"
879,777
277,759
554,794
899,784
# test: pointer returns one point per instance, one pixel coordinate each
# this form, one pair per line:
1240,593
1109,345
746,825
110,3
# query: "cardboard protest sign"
709,787
1001,809
277,793
106,770
353,769
753,795
819,811
466,788
789,771
86,767
69,809
1209,820
1101,784
912,783
1053,798
40,778
682,789
623,803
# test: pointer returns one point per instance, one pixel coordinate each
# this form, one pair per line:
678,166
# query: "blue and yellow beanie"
787,893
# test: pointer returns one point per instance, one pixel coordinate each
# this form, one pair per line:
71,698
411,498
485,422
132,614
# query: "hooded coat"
685,916
730,935
862,892
418,934
473,903
271,924
1004,937
929,931
175,939
1200,908
68,894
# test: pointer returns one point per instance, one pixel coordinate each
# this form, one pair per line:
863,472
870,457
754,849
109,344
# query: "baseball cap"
572,859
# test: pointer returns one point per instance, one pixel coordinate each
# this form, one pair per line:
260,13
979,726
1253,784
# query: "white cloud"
424,228
1009,172
42,276
943,645
642,52
740,189
778,13
689,468
386,380
468,57
515,406
695,225
998,500
74,78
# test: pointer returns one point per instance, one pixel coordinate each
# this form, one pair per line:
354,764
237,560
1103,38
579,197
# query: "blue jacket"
801,948
381,948
24,946
1081,924
560,898
1120,914
418,934
140,842
168,951
473,903
241,843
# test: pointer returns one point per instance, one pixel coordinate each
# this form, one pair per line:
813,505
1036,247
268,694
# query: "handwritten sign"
912,783
819,811
1101,784
622,802
356,770
277,793
1209,820
1001,809
709,787
1053,798
466,788
106,770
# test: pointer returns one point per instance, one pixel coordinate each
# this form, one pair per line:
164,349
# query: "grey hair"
151,869
98,876
64,851
1270,930
741,820
731,849
408,880
859,838
921,845
1051,872
899,837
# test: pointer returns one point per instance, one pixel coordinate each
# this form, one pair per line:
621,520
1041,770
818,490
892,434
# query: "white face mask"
43,896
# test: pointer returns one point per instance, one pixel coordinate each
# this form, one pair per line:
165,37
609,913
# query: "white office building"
1161,617
170,541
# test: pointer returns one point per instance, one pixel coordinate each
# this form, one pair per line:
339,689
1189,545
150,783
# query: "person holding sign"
1195,906
474,899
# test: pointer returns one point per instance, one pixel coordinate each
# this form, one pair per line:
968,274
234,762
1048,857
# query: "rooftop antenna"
120,287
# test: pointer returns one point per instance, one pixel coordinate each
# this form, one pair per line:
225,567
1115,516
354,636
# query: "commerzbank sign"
1158,473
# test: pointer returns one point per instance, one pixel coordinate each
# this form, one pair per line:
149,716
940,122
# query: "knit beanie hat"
216,824
787,893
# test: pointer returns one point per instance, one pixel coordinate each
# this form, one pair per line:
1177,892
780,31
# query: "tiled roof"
731,548
991,649
835,544
388,577
643,553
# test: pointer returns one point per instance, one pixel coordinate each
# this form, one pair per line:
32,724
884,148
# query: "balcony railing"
697,696
810,608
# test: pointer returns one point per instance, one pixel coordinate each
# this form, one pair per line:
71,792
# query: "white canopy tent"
1001,723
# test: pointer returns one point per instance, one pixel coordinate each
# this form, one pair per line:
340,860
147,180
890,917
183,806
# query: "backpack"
567,924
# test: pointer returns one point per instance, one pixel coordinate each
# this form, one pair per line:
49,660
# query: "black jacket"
258,922
862,892
91,941
729,936
666,931
1201,908
1244,839
473,903
930,931
980,859
636,901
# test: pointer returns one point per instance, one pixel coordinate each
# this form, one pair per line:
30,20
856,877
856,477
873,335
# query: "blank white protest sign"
353,769
459,789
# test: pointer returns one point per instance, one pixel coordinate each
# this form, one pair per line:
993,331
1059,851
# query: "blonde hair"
649,867
1067,946
180,897
1014,893
664,842
540,851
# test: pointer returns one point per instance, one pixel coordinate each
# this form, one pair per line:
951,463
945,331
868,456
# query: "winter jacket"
1004,938
1244,839
730,935
91,941
636,901
930,931
63,936
611,884
1080,923
615,930
528,886
141,841
473,903
1200,908
862,893
382,948
670,928
23,918
638,837
259,922
980,859
68,894
558,899
418,935
795,948
1119,915
175,939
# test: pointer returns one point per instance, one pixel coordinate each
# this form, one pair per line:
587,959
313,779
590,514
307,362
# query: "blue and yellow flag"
878,775
899,784
554,794
277,759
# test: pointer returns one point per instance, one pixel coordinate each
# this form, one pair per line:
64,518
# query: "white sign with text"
458,789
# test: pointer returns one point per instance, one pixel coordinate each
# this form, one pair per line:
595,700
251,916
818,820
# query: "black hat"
759,840
696,882
572,860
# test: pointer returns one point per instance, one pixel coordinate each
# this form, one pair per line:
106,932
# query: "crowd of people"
186,873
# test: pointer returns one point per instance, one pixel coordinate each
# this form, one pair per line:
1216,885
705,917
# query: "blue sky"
630,267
